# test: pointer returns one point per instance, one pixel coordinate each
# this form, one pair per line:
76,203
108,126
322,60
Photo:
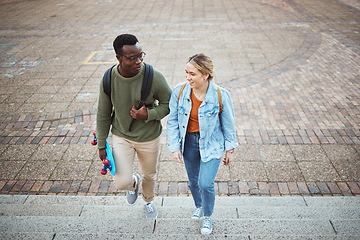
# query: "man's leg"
124,155
148,153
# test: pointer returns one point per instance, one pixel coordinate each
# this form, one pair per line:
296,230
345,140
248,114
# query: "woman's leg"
207,176
192,161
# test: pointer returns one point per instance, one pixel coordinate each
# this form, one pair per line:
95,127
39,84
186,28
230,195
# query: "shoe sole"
131,204
151,217
206,233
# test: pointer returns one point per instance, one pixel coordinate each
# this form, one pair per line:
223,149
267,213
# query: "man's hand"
102,154
140,114
177,156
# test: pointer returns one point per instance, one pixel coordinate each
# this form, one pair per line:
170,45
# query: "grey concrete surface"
96,217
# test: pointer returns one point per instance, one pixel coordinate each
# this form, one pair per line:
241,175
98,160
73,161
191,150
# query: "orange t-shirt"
193,125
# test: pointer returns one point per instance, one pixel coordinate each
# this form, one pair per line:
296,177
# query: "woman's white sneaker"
206,226
197,214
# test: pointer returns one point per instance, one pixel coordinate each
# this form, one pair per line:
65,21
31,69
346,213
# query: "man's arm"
162,93
103,117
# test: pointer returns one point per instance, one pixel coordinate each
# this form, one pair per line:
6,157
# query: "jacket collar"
210,95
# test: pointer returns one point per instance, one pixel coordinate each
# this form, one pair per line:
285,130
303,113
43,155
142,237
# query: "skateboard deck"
108,162
111,163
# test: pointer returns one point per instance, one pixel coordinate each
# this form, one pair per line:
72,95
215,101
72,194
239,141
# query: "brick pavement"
292,68
229,188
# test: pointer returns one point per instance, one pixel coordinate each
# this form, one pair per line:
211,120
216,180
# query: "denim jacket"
217,131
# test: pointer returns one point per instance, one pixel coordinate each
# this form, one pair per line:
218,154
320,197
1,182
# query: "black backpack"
145,88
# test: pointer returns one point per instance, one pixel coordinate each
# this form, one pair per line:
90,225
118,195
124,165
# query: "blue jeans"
201,174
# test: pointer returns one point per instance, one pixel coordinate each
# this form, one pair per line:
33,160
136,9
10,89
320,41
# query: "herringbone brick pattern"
291,66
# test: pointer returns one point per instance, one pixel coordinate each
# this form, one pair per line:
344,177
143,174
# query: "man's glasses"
134,58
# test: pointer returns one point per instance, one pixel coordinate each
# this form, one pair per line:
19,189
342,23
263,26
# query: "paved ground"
292,68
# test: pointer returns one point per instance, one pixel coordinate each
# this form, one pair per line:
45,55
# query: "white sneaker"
150,210
206,226
132,196
197,214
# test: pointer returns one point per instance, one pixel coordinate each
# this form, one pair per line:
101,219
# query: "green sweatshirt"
125,93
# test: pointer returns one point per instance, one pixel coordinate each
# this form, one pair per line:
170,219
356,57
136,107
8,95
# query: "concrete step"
75,217
70,236
174,226
220,212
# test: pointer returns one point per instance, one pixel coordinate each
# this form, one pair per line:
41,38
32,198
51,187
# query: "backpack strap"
220,102
181,90
147,82
145,88
107,81
219,96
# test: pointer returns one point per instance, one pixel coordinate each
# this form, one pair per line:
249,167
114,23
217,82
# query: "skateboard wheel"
94,141
103,172
106,162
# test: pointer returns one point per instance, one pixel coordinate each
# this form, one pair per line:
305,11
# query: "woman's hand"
229,156
177,156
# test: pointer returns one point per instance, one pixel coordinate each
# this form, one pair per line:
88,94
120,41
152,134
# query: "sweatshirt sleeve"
162,93
103,117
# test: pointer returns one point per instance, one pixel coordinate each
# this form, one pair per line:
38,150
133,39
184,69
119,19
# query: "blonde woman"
200,128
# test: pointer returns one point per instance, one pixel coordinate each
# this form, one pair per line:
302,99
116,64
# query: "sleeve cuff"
173,148
151,115
230,146
101,144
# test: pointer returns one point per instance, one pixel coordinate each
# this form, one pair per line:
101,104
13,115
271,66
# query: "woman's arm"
172,125
228,121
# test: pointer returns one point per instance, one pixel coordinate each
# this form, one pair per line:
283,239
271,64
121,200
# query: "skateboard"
108,161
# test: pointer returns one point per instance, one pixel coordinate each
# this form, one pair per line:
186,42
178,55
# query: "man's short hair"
123,39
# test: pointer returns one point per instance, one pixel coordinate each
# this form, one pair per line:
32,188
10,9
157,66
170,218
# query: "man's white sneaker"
132,196
150,210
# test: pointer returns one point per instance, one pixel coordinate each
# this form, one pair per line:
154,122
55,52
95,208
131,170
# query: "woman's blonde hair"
203,63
